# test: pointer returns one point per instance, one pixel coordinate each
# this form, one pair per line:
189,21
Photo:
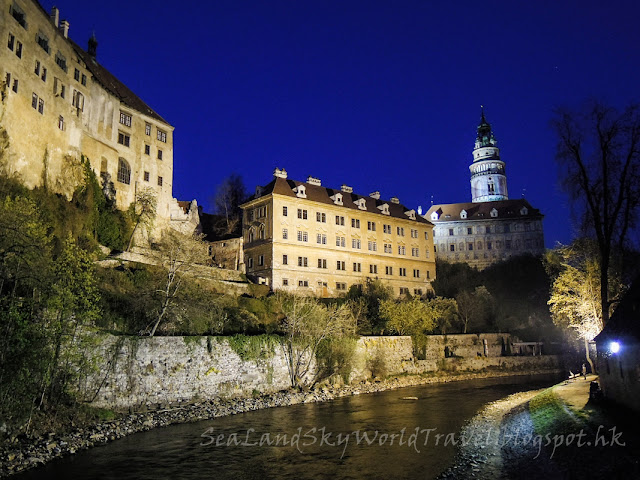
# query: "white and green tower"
488,177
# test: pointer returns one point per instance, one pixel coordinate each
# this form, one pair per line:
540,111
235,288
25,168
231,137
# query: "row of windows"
321,217
16,46
125,119
508,245
342,286
36,102
125,140
124,173
41,71
259,212
356,243
483,229
341,266
59,88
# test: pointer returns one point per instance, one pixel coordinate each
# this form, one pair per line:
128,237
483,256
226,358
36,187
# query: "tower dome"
488,177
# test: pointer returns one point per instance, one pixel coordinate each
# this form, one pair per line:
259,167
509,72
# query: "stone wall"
381,356
151,371
142,372
469,345
475,364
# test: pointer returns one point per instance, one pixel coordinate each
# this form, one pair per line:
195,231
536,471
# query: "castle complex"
305,237
490,228
59,103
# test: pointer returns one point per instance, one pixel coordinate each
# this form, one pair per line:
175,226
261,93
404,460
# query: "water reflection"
188,452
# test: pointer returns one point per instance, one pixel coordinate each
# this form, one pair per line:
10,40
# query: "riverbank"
552,433
25,453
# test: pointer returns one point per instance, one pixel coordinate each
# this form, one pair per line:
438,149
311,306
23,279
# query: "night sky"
380,95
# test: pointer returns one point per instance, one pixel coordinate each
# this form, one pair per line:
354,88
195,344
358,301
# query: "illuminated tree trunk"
586,351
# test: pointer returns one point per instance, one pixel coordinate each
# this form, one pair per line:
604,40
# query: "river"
401,426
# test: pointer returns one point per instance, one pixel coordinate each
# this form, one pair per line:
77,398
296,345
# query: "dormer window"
524,211
463,214
494,213
361,204
19,15
384,209
337,199
43,42
301,191
61,61
435,216
411,214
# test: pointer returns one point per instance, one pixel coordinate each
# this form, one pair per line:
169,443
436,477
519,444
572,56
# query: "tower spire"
488,178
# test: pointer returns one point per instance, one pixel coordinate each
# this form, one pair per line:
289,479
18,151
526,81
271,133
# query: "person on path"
584,371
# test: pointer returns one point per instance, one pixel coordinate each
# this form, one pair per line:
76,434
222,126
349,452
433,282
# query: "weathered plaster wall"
620,375
44,130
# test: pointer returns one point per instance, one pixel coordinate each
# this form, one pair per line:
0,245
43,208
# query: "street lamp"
614,347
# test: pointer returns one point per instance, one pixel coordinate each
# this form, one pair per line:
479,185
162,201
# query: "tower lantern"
488,177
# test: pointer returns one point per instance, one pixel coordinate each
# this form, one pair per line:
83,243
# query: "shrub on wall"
336,356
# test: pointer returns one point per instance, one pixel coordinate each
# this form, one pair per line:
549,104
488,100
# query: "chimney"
313,181
375,195
64,28
280,173
93,45
55,16
395,200
346,189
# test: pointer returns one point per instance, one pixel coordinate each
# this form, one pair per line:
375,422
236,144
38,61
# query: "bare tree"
230,194
180,255
599,155
306,325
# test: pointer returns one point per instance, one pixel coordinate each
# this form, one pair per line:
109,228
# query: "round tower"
488,177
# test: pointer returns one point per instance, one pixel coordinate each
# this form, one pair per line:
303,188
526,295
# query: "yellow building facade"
303,237
59,103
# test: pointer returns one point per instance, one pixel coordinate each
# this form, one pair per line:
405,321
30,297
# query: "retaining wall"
141,372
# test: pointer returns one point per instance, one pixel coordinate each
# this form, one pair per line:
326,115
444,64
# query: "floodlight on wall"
614,347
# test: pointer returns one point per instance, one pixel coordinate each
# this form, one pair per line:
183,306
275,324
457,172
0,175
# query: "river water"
311,441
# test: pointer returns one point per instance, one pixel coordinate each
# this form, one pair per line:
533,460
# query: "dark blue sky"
380,95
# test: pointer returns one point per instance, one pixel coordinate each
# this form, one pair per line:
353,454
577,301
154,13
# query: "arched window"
124,171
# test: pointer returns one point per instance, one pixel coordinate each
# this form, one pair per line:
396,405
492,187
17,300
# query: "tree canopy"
598,153
229,195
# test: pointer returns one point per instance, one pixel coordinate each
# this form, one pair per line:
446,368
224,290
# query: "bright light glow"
614,347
